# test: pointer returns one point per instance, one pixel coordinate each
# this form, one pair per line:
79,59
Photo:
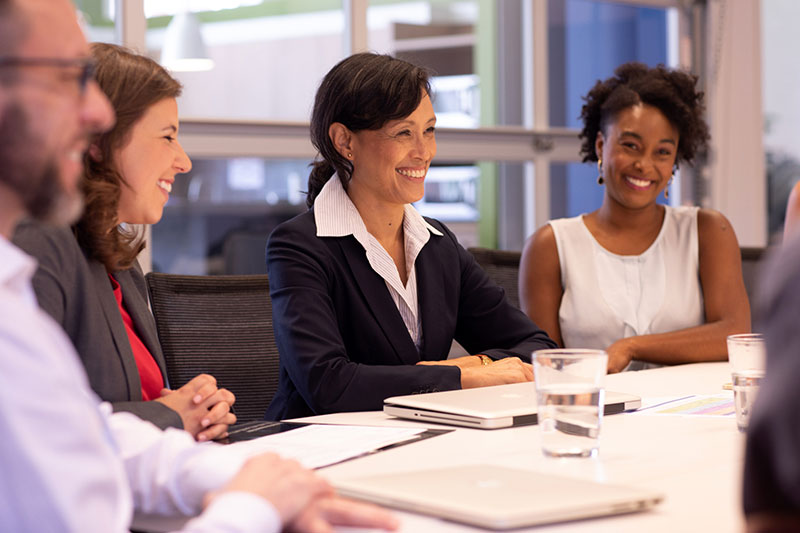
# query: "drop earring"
666,189
600,179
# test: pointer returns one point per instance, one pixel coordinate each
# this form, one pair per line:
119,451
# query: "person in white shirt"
67,463
650,284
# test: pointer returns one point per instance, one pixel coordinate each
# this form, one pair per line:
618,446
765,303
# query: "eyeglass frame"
86,64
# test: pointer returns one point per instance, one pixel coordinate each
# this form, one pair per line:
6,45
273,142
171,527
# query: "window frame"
535,143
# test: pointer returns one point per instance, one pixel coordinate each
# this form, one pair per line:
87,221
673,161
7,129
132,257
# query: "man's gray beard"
34,179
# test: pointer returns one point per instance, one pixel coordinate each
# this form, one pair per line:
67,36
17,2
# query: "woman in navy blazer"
367,295
82,272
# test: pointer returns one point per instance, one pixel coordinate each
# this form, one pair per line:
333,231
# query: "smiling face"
390,163
148,163
638,151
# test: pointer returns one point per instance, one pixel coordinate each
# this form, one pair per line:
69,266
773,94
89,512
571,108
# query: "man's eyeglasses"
85,64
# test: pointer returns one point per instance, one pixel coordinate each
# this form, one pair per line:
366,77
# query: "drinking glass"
570,393
747,354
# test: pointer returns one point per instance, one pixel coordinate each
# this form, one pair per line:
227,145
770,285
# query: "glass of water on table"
570,393
747,354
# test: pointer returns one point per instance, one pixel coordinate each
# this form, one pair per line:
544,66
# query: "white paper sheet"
321,445
715,405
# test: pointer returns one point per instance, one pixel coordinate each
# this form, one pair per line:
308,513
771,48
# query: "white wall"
737,169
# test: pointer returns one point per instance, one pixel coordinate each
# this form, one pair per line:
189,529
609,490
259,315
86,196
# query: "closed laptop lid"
487,407
497,497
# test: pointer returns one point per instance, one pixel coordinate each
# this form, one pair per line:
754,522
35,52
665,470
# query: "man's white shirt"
68,464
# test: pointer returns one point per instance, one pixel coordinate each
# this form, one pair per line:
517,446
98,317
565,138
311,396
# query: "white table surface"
696,462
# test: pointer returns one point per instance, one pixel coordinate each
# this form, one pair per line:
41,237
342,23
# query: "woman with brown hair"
88,279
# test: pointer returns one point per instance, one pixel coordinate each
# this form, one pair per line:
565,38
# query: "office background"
510,76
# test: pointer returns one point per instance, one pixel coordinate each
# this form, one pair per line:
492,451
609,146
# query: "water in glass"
745,389
570,417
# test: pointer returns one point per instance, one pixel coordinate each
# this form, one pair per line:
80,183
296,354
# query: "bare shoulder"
716,238
540,255
542,242
540,280
712,225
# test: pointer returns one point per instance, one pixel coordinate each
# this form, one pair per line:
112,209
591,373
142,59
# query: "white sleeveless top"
608,296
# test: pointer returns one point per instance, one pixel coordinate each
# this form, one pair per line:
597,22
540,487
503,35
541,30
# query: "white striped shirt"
336,216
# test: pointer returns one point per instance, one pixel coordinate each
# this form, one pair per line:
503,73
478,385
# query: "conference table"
695,461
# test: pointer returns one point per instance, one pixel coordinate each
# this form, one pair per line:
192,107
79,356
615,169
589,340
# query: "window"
220,214
781,77
628,33
268,59
495,178
442,36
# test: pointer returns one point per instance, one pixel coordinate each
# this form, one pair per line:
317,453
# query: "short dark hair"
363,92
132,83
672,92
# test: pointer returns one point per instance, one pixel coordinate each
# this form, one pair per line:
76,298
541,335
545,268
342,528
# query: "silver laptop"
497,497
500,406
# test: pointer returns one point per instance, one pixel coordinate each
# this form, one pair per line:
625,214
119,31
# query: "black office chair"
218,325
502,266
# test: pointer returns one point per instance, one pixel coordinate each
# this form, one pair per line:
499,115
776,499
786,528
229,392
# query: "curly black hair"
670,91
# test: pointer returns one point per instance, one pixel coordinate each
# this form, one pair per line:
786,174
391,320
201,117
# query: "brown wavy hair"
132,83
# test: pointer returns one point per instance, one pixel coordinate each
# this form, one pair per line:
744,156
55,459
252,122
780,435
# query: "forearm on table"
691,345
167,471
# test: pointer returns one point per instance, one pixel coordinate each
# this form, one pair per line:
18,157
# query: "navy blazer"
77,293
342,342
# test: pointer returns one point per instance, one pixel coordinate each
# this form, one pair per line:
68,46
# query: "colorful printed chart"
713,405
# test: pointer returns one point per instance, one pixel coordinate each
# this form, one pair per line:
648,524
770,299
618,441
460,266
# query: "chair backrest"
218,325
502,266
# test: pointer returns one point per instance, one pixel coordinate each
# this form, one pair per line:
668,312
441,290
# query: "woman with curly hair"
88,279
650,284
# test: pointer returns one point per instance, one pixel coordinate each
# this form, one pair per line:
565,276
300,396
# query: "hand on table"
288,486
500,372
324,513
305,502
620,354
203,408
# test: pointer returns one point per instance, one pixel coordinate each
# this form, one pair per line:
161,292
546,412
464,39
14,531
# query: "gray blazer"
77,293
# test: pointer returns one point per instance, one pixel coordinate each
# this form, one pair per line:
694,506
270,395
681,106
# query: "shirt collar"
16,268
336,216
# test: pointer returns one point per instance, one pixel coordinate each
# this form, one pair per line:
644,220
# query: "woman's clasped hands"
204,409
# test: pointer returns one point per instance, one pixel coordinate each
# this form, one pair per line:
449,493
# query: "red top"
149,373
